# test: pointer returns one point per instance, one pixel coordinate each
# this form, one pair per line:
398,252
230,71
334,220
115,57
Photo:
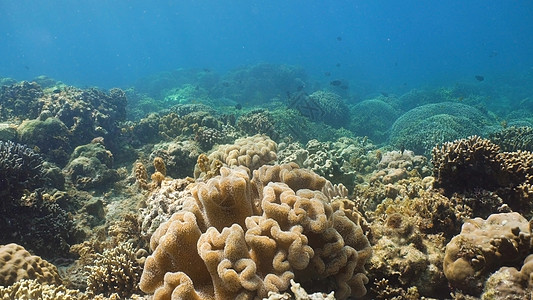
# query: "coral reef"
87,113
251,152
322,106
162,204
482,247
16,264
260,83
259,121
299,294
90,167
468,165
33,289
50,136
19,101
240,236
115,271
421,128
373,118
341,161
513,139
21,169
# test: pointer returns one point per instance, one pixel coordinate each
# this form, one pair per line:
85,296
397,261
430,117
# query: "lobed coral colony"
198,186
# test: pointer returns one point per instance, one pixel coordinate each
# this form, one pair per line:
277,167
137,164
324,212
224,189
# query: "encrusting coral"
241,236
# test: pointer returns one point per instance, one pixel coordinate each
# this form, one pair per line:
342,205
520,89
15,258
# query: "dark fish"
479,78
338,65
238,106
344,87
225,84
327,74
335,82
299,88
339,38
56,91
207,70
26,67
384,94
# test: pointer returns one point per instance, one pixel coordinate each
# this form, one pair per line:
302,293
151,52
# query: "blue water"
385,44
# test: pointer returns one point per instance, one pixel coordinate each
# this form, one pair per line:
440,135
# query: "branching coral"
21,168
116,270
468,165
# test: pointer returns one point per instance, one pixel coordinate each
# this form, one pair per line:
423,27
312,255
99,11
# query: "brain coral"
482,247
16,264
240,237
421,128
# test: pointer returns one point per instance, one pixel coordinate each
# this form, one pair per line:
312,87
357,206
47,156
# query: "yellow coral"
159,166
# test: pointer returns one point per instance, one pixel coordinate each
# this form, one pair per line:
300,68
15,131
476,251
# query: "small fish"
385,94
300,88
207,70
225,84
338,65
26,67
479,78
344,87
238,106
335,82
339,38
327,74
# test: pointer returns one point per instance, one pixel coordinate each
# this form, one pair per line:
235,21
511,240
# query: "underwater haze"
249,149
385,44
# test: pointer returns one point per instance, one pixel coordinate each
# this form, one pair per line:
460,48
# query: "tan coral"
242,237
159,165
16,263
33,289
116,270
482,247
251,152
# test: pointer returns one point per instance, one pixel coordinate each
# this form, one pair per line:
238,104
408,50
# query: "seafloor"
260,183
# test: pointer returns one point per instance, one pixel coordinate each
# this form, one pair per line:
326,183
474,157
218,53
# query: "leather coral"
241,236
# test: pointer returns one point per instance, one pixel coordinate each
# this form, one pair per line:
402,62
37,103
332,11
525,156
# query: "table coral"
482,247
243,236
